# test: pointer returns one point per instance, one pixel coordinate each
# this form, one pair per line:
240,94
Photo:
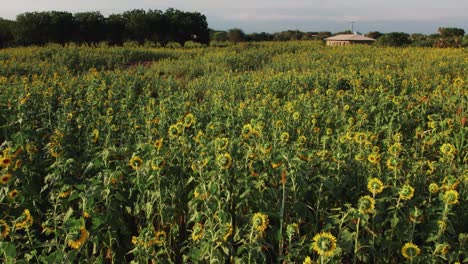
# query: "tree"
394,39
236,35
450,37
60,27
6,32
374,34
465,41
451,32
421,40
32,28
115,29
323,35
90,27
137,26
220,36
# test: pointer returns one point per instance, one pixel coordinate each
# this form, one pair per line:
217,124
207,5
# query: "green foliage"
236,35
254,153
394,39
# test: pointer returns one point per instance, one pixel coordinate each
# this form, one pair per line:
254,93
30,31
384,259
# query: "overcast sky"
410,16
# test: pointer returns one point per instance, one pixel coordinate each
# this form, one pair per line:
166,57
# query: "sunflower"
5,178
393,163
135,162
292,229
279,124
397,137
374,158
5,162
224,161
307,260
158,144
65,194
13,194
188,120
410,250
5,229
433,188
406,192
260,222
27,222
95,135
395,149
174,131
296,116
360,137
447,149
197,232
246,130
160,238
450,197
375,186
301,140
157,163
221,143
366,204
284,137
324,244
76,244
450,183
359,157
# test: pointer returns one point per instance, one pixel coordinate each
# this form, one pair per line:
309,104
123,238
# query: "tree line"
155,26
446,37
39,28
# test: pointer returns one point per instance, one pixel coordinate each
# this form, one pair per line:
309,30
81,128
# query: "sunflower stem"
356,241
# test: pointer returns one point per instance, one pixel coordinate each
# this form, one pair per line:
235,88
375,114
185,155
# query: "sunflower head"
406,192
13,194
260,222
307,260
324,244
224,161
5,178
410,251
360,137
188,120
160,238
393,163
136,162
366,205
374,158
197,232
174,131
158,144
448,149
450,197
5,162
395,149
4,229
221,143
284,137
433,188
375,186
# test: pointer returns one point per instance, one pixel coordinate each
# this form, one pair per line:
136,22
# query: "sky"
411,16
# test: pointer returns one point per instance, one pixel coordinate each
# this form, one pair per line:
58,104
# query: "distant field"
255,153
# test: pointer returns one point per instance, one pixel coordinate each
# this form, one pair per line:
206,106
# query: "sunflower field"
254,153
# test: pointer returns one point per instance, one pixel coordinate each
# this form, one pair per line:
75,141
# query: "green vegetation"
253,153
